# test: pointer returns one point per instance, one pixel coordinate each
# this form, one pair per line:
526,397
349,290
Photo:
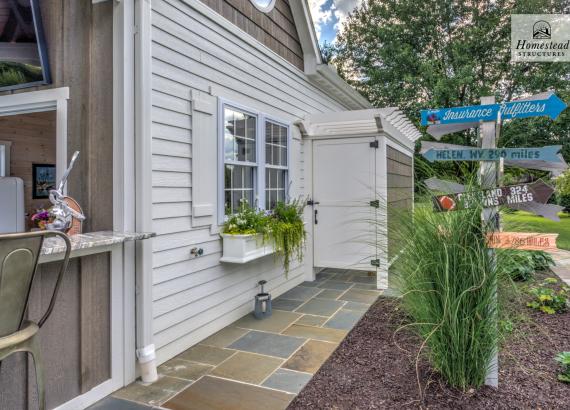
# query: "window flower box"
244,248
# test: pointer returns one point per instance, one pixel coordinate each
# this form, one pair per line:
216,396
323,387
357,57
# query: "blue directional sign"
548,153
472,113
551,106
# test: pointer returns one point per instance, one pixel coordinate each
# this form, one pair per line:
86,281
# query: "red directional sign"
522,241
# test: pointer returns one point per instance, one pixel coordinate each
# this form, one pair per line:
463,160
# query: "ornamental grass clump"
448,282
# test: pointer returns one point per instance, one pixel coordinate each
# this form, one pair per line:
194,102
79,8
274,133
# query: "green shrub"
448,283
564,200
520,265
564,359
548,300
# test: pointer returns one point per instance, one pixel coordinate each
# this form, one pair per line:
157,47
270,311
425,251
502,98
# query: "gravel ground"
375,368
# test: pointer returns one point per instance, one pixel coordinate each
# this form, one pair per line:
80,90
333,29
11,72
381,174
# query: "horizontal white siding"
194,297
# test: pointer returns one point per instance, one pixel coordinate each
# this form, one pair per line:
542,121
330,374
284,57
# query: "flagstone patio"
259,364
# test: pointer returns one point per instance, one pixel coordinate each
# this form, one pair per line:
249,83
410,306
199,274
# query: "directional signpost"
488,117
522,241
509,195
549,211
551,106
548,153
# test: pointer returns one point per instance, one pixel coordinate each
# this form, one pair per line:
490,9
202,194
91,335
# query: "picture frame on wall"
43,180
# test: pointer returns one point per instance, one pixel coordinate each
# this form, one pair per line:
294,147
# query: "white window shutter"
204,158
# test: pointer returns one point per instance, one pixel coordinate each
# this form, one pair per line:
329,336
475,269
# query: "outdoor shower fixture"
262,303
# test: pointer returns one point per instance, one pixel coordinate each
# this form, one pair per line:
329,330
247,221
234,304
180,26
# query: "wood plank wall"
76,338
33,142
400,193
275,29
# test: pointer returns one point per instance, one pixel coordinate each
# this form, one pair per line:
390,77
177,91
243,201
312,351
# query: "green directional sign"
548,153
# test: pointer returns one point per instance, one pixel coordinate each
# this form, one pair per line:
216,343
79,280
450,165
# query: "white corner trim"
307,35
32,101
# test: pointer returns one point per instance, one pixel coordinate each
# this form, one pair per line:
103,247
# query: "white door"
344,183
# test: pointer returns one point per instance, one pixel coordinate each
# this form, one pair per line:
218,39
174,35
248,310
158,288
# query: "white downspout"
143,183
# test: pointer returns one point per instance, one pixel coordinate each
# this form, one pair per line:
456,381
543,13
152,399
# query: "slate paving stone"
212,393
344,319
318,333
367,286
224,337
360,296
269,344
153,394
313,284
287,380
329,294
311,356
286,304
111,403
312,320
320,307
302,293
247,367
184,369
206,354
334,284
360,307
364,279
277,322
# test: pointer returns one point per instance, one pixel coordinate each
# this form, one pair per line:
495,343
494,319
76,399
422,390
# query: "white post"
488,175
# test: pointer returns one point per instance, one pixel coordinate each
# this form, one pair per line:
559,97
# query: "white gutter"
143,183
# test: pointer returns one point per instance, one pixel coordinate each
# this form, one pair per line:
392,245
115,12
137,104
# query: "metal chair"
19,253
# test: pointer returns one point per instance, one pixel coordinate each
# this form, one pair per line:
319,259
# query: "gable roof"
323,75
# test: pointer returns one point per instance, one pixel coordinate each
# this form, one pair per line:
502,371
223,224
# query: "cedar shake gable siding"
276,29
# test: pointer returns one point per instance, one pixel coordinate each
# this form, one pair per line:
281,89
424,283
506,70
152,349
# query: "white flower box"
244,248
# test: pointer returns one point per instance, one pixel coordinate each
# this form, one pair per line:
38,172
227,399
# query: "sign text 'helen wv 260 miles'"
548,153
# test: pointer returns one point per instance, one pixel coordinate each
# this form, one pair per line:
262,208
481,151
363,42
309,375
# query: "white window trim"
259,178
265,9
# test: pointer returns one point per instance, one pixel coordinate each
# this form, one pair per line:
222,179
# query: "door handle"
316,213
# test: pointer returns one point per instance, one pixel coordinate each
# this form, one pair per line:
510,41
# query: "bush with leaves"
521,265
564,359
549,300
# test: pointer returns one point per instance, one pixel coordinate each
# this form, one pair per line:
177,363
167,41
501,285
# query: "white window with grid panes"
255,159
276,163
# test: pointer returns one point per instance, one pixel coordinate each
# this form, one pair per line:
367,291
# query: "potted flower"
245,235
251,233
42,218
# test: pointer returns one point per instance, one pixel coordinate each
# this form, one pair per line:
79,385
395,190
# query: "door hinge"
374,144
375,203
375,262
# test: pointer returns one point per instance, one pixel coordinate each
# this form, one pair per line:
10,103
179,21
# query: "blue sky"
328,16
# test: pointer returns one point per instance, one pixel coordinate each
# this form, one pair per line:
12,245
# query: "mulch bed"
375,368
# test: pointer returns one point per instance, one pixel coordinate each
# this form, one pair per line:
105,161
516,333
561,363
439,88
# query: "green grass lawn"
526,222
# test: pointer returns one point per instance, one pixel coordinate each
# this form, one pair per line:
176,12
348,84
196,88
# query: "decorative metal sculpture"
63,214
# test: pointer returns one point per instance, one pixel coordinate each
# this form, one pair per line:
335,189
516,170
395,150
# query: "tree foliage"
443,53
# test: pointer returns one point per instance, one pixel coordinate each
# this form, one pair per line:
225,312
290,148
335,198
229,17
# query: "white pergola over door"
344,183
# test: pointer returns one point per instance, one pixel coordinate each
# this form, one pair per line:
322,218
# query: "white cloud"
320,16
342,9
323,15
